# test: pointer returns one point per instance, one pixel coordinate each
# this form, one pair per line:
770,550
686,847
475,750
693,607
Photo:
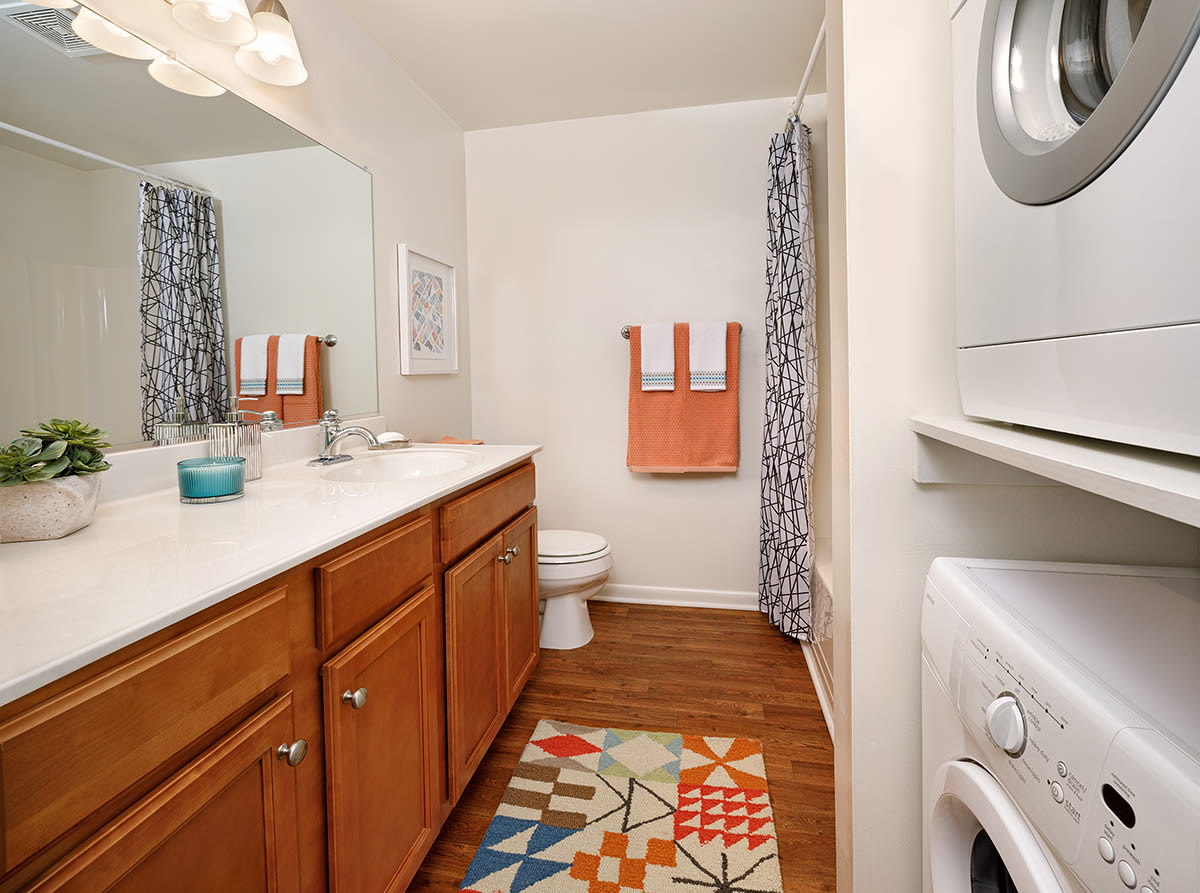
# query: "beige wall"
891,174
360,103
578,228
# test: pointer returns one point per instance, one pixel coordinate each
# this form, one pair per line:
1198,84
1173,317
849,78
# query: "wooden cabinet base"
226,822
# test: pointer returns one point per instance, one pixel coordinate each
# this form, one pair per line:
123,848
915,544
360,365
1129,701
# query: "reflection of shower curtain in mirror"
183,335
789,430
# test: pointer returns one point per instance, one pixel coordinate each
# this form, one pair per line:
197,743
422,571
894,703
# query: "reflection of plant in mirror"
57,448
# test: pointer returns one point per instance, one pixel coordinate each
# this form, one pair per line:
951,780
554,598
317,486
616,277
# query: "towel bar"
327,340
625,330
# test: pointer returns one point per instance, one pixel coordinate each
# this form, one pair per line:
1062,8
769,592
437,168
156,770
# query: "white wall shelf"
1167,484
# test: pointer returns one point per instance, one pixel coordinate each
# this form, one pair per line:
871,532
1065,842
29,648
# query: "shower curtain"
789,427
183,331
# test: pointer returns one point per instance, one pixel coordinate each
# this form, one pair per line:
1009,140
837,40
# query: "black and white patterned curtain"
789,428
183,333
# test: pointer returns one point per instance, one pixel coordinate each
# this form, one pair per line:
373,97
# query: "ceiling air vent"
50,26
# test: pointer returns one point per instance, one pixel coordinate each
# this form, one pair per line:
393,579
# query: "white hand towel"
706,355
658,356
289,365
253,366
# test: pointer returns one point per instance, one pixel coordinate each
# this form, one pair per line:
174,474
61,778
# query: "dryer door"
1065,85
979,842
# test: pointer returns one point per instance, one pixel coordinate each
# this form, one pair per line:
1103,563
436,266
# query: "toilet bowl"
573,565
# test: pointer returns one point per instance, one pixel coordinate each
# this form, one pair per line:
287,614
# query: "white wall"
891,172
68,297
360,103
578,228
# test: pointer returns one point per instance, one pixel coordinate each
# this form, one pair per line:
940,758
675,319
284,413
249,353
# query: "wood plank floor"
690,670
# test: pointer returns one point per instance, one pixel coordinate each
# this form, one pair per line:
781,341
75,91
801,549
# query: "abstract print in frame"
428,321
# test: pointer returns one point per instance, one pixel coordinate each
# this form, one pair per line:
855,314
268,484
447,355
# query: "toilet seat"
570,547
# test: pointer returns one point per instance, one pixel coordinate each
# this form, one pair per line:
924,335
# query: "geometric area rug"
613,810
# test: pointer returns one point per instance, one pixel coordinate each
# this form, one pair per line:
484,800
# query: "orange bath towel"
683,430
291,408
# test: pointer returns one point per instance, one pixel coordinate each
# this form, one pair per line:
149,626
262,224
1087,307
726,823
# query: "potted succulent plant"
49,480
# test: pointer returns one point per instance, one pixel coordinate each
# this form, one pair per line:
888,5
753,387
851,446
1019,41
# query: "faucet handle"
331,415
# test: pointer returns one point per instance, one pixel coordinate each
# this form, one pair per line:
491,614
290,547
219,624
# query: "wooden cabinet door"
520,604
227,821
476,696
380,753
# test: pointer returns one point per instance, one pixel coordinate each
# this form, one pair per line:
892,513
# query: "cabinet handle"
356,699
514,551
294,753
506,557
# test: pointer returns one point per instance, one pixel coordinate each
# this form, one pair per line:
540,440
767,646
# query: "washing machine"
1077,189
1060,728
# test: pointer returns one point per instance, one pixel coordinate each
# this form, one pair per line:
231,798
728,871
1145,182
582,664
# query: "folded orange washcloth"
450,439
683,430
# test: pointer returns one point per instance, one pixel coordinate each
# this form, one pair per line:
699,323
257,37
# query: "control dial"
1006,724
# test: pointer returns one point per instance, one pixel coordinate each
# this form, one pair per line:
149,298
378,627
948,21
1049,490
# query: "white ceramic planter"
47,510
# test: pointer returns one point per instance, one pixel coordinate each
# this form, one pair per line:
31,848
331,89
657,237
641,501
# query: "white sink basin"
408,464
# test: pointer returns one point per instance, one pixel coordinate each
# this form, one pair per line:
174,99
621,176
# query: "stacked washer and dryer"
1061,703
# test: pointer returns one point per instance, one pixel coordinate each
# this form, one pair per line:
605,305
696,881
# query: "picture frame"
428,314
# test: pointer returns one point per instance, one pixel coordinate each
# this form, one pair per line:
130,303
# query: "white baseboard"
730,600
822,678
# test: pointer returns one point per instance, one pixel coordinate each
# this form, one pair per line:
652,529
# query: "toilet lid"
569,543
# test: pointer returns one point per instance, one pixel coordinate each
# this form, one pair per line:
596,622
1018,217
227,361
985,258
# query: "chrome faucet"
333,433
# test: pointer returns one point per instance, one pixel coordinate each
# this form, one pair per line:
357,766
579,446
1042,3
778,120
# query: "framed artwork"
428,319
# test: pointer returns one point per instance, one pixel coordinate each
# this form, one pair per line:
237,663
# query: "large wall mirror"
293,220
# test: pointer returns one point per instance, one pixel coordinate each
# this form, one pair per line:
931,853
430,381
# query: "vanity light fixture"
104,35
221,21
274,56
170,72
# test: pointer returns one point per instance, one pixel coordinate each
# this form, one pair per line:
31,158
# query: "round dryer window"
1065,85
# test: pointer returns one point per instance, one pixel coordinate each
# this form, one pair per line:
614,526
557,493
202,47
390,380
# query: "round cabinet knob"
1006,725
514,551
356,699
294,753
506,558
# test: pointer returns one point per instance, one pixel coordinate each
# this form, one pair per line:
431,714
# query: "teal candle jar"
212,479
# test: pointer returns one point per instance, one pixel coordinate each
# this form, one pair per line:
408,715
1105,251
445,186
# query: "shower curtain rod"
798,102
37,137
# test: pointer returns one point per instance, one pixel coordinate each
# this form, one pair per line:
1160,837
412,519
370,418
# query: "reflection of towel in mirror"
289,368
307,406
252,365
291,408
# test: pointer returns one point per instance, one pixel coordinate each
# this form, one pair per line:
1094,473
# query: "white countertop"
148,561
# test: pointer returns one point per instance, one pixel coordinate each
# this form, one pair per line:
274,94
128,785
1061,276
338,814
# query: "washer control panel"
1117,800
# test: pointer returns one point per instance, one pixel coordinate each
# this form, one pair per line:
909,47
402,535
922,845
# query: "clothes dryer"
1077,191
1060,728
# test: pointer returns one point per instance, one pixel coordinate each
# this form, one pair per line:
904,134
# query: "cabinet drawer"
469,519
64,759
363,585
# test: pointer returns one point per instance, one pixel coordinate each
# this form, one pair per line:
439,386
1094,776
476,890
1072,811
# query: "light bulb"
216,13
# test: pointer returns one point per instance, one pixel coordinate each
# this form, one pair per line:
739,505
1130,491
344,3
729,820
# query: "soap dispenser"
180,429
237,437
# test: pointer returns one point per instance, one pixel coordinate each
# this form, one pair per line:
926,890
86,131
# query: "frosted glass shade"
172,73
104,35
274,57
221,21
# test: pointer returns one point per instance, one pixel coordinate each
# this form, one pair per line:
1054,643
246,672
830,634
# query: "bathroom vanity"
287,692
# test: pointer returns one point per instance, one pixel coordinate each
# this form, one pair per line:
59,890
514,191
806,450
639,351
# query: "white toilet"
572,567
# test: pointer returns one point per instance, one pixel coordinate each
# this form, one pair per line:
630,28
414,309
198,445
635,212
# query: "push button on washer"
1062,769
1125,871
1107,853
1056,791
